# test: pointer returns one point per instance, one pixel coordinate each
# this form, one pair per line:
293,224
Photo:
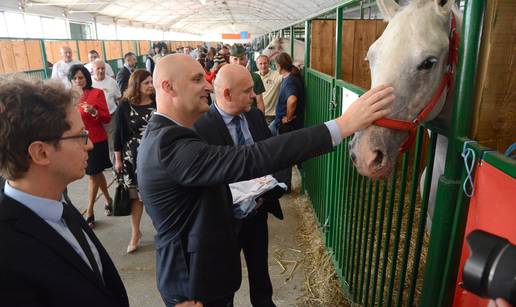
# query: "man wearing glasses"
50,257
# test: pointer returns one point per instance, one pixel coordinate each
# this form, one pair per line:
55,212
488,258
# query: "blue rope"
509,151
466,153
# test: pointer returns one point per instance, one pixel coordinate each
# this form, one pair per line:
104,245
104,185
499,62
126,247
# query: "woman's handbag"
122,201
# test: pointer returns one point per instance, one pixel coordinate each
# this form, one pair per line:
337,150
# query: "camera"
490,270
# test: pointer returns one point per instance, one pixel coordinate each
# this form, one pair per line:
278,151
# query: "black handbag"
122,202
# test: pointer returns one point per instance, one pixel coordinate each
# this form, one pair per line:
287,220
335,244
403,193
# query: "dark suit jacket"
212,128
38,267
122,78
183,183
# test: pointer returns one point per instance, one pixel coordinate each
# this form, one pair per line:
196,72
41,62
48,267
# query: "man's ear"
38,153
227,94
167,87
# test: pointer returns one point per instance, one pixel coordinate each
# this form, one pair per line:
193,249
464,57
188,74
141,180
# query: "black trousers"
254,241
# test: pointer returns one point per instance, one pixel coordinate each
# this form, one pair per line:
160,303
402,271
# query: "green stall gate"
375,230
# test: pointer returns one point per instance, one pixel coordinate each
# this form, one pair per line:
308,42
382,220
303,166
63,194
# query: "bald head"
99,70
66,53
181,88
228,77
234,89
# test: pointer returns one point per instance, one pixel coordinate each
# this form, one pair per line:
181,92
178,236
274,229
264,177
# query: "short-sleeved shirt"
111,91
60,71
271,81
258,87
291,86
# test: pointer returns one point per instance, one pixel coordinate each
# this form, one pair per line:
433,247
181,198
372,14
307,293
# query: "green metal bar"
104,51
320,75
292,41
358,240
44,58
78,50
308,42
371,243
399,217
388,228
379,243
410,217
338,42
364,238
422,217
436,279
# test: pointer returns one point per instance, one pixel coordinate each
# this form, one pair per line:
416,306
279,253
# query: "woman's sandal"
90,220
109,208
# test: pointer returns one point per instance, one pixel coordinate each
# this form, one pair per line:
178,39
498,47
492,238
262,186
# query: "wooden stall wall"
113,50
52,49
129,46
86,46
357,36
494,120
144,47
20,55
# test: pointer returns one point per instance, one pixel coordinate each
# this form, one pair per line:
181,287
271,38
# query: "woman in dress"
136,108
95,113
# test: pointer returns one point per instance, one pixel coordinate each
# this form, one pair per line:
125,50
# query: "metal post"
439,273
292,42
44,57
338,42
308,36
104,51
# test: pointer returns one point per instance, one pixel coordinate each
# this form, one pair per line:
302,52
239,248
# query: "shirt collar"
227,118
167,117
48,209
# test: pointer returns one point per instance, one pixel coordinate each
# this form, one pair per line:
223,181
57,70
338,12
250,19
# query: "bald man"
61,68
218,127
184,181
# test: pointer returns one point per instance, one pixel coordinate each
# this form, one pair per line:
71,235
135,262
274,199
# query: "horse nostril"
353,157
379,158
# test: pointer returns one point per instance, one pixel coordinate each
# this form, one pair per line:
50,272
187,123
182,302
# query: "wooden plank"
494,118
83,50
113,50
128,46
144,47
20,55
365,35
348,40
34,55
323,46
7,56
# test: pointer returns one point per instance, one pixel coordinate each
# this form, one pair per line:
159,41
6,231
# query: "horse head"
413,56
281,44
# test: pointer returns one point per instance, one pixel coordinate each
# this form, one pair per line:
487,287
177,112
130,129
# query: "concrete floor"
138,270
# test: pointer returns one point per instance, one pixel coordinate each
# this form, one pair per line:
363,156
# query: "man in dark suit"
49,257
217,127
184,181
123,75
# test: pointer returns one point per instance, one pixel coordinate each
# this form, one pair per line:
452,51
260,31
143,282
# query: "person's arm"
120,79
148,65
102,109
291,109
55,67
260,104
118,137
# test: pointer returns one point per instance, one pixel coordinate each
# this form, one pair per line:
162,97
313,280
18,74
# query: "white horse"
281,44
412,55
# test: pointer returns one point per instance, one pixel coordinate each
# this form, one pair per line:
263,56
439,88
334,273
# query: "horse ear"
388,8
444,6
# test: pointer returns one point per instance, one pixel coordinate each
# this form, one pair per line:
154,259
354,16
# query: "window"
33,26
15,24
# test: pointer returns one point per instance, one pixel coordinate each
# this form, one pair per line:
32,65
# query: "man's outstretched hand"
373,105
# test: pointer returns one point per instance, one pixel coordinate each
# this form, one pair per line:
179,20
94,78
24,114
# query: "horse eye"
271,47
427,64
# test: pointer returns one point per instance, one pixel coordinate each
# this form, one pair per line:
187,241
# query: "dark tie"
238,128
76,229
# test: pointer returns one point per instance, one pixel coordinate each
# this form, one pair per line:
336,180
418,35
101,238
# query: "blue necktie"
239,133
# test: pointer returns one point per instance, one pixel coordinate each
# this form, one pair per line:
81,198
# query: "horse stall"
374,230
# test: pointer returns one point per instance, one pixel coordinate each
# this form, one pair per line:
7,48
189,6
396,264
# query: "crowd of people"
178,133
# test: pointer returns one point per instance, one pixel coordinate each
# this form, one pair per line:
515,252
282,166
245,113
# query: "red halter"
446,82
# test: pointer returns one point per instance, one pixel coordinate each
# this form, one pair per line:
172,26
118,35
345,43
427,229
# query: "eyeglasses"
83,135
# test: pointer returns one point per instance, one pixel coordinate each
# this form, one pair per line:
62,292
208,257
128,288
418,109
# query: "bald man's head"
181,86
234,89
66,53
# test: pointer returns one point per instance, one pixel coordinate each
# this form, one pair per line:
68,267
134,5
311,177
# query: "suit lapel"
220,125
27,222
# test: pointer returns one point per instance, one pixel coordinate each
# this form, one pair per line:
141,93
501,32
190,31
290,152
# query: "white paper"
348,97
